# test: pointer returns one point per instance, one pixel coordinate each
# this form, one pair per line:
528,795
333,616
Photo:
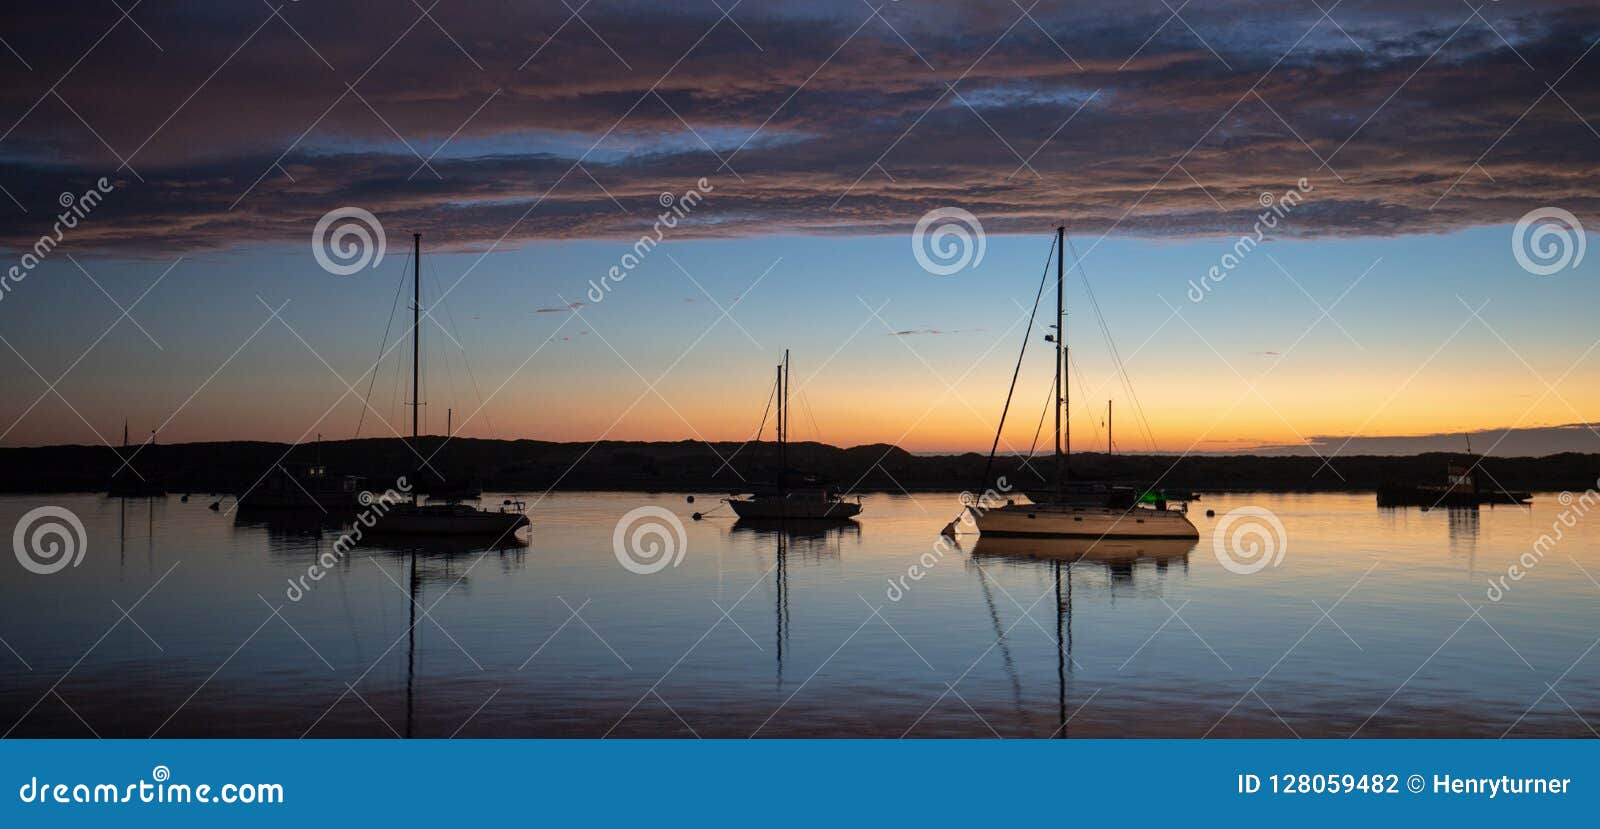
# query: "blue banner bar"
792,783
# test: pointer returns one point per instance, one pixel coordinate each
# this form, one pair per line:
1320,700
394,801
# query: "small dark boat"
451,519
812,501
298,486
1460,489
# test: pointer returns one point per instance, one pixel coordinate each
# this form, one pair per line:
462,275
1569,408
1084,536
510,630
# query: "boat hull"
490,524
1065,521
301,500
1074,549
778,508
1400,495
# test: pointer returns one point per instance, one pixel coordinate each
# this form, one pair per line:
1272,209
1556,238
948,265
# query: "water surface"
799,634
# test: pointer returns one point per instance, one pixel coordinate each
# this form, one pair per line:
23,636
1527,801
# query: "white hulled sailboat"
1058,513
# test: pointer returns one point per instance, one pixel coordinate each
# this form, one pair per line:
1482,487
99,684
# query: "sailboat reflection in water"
810,542
1062,556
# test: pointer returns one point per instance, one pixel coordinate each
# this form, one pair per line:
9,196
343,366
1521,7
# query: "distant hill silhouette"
524,465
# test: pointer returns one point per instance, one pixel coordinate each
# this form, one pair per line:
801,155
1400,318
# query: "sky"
1391,302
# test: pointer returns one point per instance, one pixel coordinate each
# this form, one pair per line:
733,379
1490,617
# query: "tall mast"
778,394
416,329
1061,358
783,422
1110,448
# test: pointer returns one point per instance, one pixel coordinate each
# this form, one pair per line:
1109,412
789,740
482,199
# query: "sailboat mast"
778,392
1061,358
783,423
416,328
1110,448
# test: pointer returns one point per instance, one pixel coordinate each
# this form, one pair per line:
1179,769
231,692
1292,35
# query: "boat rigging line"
988,466
382,349
1017,371
1111,345
466,363
749,465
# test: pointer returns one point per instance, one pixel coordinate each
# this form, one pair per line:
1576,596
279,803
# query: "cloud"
242,130
1535,441
912,332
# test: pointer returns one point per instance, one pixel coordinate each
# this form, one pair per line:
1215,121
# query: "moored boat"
448,517
1073,521
781,502
301,486
1065,509
451,519
1460,489
804,504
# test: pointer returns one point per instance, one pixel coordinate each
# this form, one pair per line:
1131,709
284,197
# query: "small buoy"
697,516
184,499
216,505
1211,513
691,500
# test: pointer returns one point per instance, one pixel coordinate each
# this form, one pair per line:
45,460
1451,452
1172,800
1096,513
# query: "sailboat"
1062,512
127,483
783,502
448,517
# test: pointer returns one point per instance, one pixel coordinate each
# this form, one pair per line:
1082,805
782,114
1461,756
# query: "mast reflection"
810,540
1118,559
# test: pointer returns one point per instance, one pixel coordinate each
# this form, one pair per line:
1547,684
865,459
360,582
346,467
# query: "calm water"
784,635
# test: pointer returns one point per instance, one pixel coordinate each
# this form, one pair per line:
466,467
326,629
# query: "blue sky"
818,299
